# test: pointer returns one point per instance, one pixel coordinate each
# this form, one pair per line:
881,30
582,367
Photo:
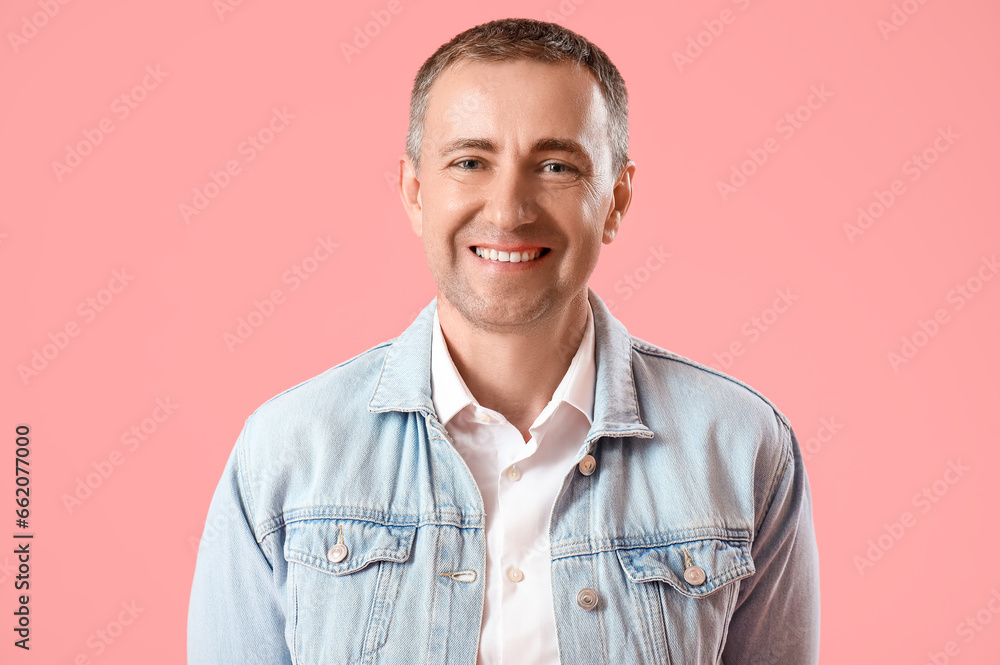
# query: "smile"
510,257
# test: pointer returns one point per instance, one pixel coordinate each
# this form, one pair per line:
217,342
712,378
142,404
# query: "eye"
561,168
467,161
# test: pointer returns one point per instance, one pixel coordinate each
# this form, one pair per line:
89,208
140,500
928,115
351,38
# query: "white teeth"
511,257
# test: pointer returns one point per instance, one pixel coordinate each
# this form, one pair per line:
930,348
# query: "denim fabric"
693,469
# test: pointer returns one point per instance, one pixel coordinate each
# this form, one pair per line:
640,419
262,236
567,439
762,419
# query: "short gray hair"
523,39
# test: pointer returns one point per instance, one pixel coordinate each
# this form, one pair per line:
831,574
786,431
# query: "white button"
514,473
337,553
482,416
587,465
694,575
515,575
587,599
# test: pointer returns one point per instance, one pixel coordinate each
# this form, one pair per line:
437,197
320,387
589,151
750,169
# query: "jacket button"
694,575
587,599
337,553
588,465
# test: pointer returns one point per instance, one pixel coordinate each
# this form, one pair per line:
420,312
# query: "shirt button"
587,599
515,575
694,575
514,473
588,465
482,416
337,553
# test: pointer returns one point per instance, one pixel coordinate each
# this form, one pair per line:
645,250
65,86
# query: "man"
514,478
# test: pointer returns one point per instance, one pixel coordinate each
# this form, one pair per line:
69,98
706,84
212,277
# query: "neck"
515,373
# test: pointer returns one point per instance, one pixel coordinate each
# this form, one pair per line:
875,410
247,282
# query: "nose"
510,199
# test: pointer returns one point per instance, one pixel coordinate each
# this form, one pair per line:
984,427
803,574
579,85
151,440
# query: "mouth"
510,256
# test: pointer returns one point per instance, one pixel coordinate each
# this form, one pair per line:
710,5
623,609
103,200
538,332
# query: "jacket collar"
404,384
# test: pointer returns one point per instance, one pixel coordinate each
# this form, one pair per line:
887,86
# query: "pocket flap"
721,560
309,542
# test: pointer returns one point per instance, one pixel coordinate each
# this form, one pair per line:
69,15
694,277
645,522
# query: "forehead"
524,97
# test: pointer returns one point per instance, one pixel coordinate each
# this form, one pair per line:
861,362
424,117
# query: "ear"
621,197
409,192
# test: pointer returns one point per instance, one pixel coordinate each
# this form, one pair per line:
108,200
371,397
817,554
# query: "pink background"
876,433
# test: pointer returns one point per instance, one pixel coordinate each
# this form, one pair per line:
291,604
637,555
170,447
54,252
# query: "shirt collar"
404,382
450,393
580,381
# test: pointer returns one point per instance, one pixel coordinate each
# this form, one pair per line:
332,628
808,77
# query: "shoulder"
708,410
711,403
663,369
337,386
289,425
291,442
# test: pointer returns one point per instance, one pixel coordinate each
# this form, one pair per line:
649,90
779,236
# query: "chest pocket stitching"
308,541
723,561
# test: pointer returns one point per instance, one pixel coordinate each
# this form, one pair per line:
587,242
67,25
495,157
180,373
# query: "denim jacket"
347,529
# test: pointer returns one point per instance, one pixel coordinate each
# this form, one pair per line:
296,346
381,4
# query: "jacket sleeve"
776,619
236,615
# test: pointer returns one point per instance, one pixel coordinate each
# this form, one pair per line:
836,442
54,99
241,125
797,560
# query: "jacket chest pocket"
688,592
343,579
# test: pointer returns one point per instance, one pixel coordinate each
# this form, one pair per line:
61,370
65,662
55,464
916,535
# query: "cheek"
453,205
569,206
451,200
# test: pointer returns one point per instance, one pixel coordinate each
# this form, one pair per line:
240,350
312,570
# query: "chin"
496,314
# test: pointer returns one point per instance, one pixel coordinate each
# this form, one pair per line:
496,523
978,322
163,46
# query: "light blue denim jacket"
693,469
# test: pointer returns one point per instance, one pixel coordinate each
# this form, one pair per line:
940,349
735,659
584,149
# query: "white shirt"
519,482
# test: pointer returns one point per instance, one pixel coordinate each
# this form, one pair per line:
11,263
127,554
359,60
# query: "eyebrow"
541,145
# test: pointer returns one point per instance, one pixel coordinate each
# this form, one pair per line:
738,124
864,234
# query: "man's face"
516,158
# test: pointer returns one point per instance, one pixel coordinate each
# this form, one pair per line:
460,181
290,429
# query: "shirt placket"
522,572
